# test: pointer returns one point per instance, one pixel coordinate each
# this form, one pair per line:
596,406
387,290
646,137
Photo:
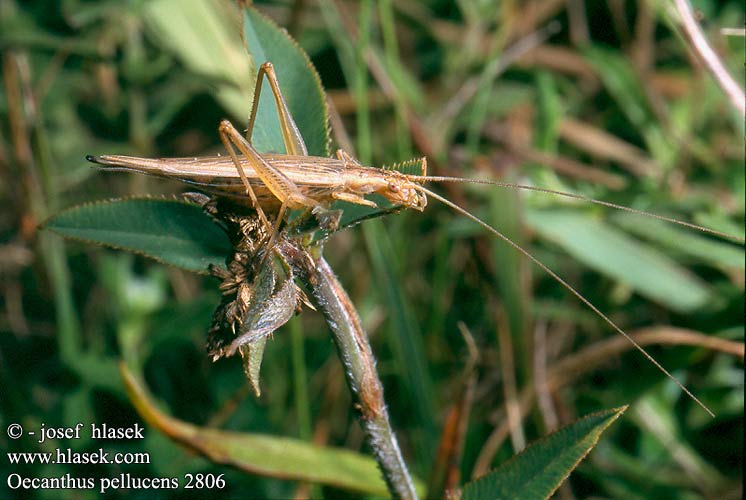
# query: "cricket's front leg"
294,144
353,198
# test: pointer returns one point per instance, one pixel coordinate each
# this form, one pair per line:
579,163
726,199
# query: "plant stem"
360,370
693,34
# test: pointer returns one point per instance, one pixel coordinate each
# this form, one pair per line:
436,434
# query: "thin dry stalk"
446,472
510,387
544,397
714,65
591,358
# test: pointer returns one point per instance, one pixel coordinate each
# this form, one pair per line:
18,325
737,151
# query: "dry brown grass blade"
593,357
510,385
446,472
601,144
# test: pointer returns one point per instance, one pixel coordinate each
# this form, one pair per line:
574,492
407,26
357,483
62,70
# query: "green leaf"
686,241
538,471
624,86
722,223
272,456
299,82
549,113
267,303
205,38
611,252
167,230
252,356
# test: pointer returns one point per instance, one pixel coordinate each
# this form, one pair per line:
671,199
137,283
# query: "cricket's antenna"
567,286
580,197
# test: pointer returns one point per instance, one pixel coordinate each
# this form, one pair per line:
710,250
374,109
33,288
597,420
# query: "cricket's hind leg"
294,144
227,133
285,190
280,186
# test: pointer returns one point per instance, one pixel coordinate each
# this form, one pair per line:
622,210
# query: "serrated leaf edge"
614,413
171,199
309,65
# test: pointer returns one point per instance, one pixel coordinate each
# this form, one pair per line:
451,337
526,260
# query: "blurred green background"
604,99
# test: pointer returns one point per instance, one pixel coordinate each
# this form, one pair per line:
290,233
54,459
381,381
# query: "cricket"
273,184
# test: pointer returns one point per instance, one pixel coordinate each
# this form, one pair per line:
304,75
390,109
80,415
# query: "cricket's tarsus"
276,182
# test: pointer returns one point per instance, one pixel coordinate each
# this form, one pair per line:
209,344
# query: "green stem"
300,375
359,366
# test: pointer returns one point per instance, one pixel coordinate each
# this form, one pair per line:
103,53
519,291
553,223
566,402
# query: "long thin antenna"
565,284
580,197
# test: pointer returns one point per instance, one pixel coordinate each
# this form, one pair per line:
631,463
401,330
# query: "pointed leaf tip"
539,470
299,82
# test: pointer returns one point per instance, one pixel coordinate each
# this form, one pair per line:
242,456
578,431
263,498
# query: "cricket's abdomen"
217,175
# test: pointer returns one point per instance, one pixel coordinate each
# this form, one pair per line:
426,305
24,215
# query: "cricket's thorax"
392,185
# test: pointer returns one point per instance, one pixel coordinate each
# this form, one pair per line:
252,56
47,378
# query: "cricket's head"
399,189
402,188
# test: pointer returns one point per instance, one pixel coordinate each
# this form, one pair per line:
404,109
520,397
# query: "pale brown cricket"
277,182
